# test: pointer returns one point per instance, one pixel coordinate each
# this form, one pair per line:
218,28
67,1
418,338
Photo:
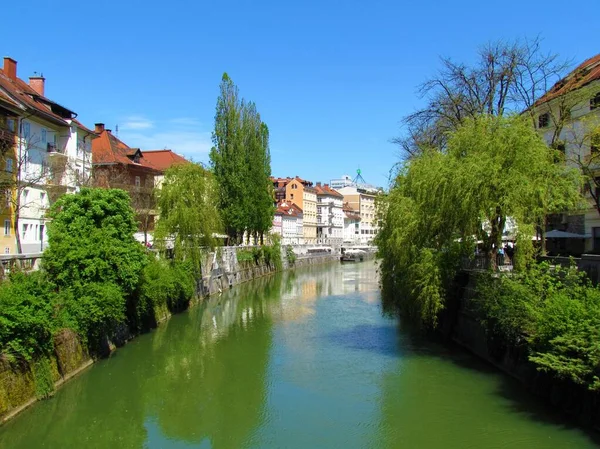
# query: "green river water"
301,359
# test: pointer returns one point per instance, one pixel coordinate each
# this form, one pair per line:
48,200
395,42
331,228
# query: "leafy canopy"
443,202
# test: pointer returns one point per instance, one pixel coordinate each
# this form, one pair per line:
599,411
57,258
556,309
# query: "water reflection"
300,359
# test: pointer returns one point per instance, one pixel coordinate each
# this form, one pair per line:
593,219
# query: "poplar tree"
241,162
228,161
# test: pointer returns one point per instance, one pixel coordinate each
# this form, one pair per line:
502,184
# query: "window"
6,227
8,198
9,165
292,196
24,230
10,125
42,197
595,101
43,136
137,181
544,120
6,250
41,233
26,130
25,193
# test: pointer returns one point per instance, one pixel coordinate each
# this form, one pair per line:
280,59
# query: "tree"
188,213
94,260
241,163
444,202
508,77
143,198
258,184
228,161
91,240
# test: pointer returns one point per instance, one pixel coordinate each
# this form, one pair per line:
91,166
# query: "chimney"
99,127
319,184
37,83
10,68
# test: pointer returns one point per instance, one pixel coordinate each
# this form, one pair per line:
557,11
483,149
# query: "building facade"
330,217
568,118
51,156
351,225
363,201
291,218
302,193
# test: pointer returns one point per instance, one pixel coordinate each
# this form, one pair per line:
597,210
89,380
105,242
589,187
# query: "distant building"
330,217
351,224
344,181
289,221
303,194
363,201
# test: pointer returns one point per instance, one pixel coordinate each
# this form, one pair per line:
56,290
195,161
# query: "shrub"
26,316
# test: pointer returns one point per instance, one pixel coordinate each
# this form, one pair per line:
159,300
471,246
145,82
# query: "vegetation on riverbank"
444,202
552,313
95,278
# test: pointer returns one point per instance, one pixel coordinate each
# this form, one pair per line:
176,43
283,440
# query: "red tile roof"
20,92
288,208
326,190
107,149
584,74
163,159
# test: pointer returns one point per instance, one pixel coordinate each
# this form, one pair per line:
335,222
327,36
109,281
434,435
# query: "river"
300,359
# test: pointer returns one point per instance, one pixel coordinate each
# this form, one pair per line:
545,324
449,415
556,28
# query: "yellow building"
8,165
301,192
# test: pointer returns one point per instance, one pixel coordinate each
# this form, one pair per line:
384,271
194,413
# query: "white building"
344,181
363,201
52,154
351,225
330,217
290,215
568,116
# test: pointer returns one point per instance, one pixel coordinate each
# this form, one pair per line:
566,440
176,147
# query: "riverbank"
20,385
461,324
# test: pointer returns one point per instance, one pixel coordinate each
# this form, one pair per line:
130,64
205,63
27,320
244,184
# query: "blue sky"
332,79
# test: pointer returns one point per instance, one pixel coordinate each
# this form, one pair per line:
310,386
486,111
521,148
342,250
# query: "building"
50,156
162,160
351,225
303,194
330,217
344,181
568,118
291,218
116,165
363,201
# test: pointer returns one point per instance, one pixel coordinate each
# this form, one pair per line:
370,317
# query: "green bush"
93,309
26,316
290,255
166,284
553,312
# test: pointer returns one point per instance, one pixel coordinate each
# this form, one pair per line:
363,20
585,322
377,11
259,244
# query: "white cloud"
183,135
137,122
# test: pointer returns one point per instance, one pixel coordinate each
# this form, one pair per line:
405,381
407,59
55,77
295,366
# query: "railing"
20,262
53,148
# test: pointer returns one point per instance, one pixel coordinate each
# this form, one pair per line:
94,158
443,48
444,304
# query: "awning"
565,235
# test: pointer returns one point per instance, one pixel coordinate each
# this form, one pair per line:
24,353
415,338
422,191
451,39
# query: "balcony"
54,149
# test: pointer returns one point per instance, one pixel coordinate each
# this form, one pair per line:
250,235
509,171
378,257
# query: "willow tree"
188,214
444,202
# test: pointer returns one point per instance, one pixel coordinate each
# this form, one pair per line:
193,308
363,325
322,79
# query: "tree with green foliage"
241,163
444,202
93,259
228,160
258,163
189,217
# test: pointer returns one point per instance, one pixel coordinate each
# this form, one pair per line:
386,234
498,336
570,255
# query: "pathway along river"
301,359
